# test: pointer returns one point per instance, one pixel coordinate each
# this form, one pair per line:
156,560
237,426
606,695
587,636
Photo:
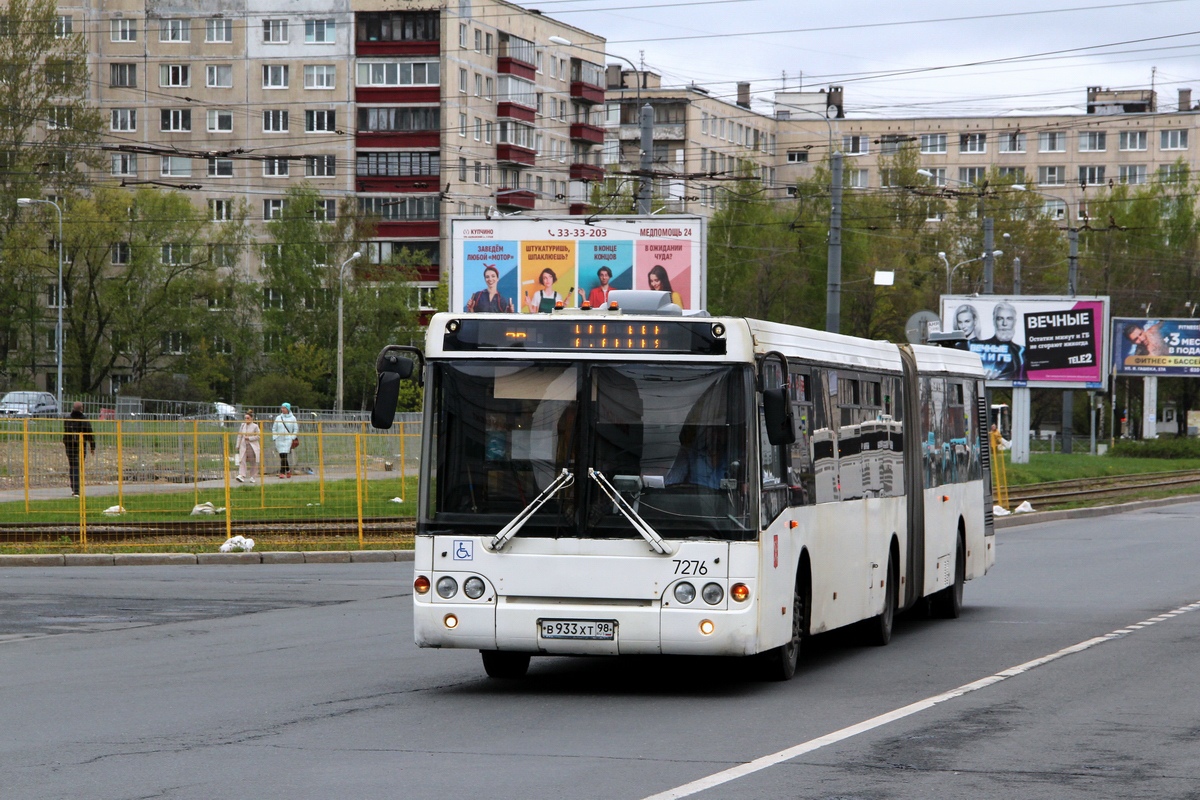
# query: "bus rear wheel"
505,665
947,603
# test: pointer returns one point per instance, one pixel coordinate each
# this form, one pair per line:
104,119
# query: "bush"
273,389
1157,448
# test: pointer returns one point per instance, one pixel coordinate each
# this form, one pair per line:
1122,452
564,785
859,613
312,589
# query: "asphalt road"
301,681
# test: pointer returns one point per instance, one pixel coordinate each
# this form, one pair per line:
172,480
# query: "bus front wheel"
501,664
779,664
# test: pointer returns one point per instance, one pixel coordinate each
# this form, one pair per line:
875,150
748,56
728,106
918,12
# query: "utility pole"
646,165
833,286
989,259
1068,408
1016,275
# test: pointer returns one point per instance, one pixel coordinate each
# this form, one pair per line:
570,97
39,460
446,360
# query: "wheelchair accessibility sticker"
464,550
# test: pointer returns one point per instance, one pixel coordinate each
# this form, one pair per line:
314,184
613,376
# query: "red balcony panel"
514,111
511,66
418,229
413,183
367,140
583,132
580,209
514,154
586,92
516,198
395,94
586,172
398,48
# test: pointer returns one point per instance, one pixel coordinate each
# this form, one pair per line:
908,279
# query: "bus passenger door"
914,482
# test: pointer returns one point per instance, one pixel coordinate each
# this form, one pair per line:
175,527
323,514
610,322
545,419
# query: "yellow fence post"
321,460
358,482
196,460
82,496
25,460
120,468
225,470
403,488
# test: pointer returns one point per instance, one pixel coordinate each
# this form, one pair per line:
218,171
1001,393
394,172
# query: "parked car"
29,404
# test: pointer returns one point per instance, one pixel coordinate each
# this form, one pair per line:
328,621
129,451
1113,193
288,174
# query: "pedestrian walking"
77,436
284,434
249,455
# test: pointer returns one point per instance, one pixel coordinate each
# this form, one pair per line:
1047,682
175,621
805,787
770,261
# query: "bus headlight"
447,587
473,587
739,592
685,592
712,593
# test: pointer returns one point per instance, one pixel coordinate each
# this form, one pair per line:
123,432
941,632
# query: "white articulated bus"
601,482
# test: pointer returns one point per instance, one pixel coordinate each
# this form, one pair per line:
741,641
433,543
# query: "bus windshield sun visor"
564,479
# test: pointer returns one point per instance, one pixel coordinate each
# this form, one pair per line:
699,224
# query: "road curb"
1034,517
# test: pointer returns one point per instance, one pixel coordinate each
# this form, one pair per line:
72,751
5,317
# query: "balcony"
583,132
394,183
514,154
524,199
580,209
512,66
402,48
587,93
409,229
586,172
516,111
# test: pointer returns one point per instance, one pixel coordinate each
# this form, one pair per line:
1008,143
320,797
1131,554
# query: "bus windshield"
672,439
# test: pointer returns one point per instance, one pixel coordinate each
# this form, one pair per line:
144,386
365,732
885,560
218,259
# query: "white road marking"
759,764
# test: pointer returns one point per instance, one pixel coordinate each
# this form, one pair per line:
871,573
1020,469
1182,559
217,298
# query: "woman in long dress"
284,432
248,448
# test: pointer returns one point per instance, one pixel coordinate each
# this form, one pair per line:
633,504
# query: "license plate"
604,630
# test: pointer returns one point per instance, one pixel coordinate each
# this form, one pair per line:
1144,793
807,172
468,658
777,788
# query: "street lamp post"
341,347
950,270
58,331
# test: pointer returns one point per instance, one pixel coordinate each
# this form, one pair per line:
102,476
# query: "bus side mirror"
777,408
391,370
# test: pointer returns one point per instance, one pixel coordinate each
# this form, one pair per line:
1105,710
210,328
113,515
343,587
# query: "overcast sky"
907,57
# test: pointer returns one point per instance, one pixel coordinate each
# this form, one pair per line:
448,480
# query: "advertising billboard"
1166,347
1036,341
527,265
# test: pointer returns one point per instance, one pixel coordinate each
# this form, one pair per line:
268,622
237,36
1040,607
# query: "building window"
889,144
320,166
1015,174
124,119
275,31
325,210
122,76
273,209
937,175
394,164
1093,141
124,30
275,120
218,76
174,343
1055,209
124,164
856,178
179,75
462,125
1052,176
275,76
220,121
404,26
320,121
275,167
1173,140
1091,176
462,80
399,119
853,145
220,210
1133,174
1132,140
220,168
462,169
120,253
399,73
320,31
175,30
1173,173
933,143
1012,143
320,76
972,175
478,40
972,143
218,31
462,35
176,167
399,209
175,120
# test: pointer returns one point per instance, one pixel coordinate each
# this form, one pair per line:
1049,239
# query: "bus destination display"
608,335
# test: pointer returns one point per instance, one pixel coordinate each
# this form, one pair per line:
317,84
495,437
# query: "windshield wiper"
640,525
564,479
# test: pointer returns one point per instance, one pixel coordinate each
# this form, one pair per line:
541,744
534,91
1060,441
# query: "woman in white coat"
249,456
284,431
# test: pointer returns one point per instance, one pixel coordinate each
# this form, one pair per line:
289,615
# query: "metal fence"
174,484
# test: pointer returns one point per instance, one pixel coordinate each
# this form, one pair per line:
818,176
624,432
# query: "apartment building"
1065,158
420,112
702,141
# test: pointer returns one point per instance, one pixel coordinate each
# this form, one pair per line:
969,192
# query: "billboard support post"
1150,407
1020,425
1068,397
